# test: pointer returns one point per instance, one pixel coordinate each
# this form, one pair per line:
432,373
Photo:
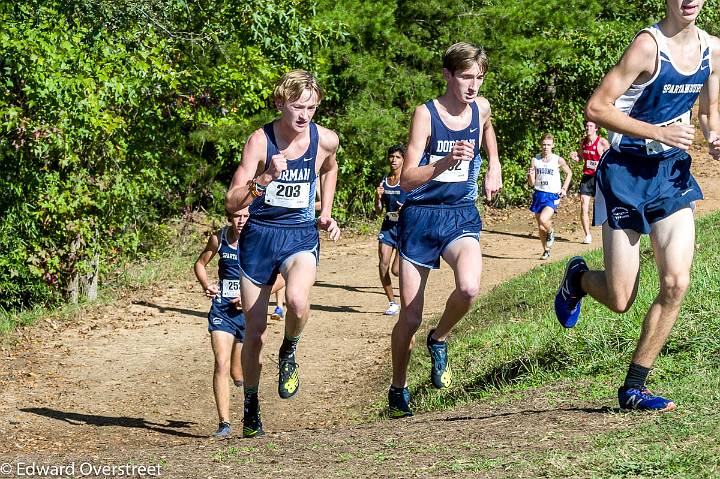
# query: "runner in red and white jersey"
592,147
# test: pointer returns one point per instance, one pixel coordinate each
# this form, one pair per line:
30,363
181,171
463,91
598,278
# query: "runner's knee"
410,318
468,291
621,301
254,338
297,305
222,366
674,286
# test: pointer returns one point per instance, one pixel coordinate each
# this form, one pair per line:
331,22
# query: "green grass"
512,341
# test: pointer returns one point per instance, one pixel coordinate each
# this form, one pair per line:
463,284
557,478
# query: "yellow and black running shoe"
288,377
252,425
440,373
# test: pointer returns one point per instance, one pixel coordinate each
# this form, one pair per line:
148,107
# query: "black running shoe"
252,425
288,377
399,403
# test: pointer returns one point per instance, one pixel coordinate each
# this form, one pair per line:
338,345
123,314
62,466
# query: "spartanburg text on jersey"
665,99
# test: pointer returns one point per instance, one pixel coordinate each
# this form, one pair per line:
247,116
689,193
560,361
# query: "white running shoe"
587,240
550,239
546,254
393,308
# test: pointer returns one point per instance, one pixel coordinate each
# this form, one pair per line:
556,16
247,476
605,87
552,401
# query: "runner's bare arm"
637,65
414,175
378,198
329,143
568,176
603,146
708,104
252,165
207,254
493,177
576,155
531,174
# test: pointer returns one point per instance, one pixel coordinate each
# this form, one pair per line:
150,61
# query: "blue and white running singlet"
666,98
290,199
393,198
458,184
228,269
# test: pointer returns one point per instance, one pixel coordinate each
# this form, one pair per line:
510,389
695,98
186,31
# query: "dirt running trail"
133,381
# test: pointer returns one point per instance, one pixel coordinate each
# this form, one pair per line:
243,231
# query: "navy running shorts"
426,230
632,193
388,233
543,199
225,316
587,185
264,248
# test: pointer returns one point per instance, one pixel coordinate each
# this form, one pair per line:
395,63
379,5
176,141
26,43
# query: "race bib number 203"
288,195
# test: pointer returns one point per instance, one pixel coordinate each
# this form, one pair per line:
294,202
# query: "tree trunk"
92,279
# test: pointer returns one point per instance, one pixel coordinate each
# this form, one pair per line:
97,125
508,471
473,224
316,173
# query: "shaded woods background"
118,114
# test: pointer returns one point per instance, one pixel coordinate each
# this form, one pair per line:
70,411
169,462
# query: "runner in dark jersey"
279,173
226,321
439,217
390,198
644,184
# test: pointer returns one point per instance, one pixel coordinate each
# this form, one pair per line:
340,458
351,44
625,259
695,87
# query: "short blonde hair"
292,85
462,56
547,136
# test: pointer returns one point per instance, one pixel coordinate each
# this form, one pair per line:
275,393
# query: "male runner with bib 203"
544,177
644,181
592,147
277,176
439,217
390,196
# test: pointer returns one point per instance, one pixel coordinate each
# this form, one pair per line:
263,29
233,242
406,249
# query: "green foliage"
73,188
115,115
98,105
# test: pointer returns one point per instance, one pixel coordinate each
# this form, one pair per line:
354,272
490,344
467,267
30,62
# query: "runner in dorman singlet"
282,165
439,217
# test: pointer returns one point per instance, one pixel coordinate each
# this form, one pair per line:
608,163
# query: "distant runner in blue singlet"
391,197
644,184
278,175
439,217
